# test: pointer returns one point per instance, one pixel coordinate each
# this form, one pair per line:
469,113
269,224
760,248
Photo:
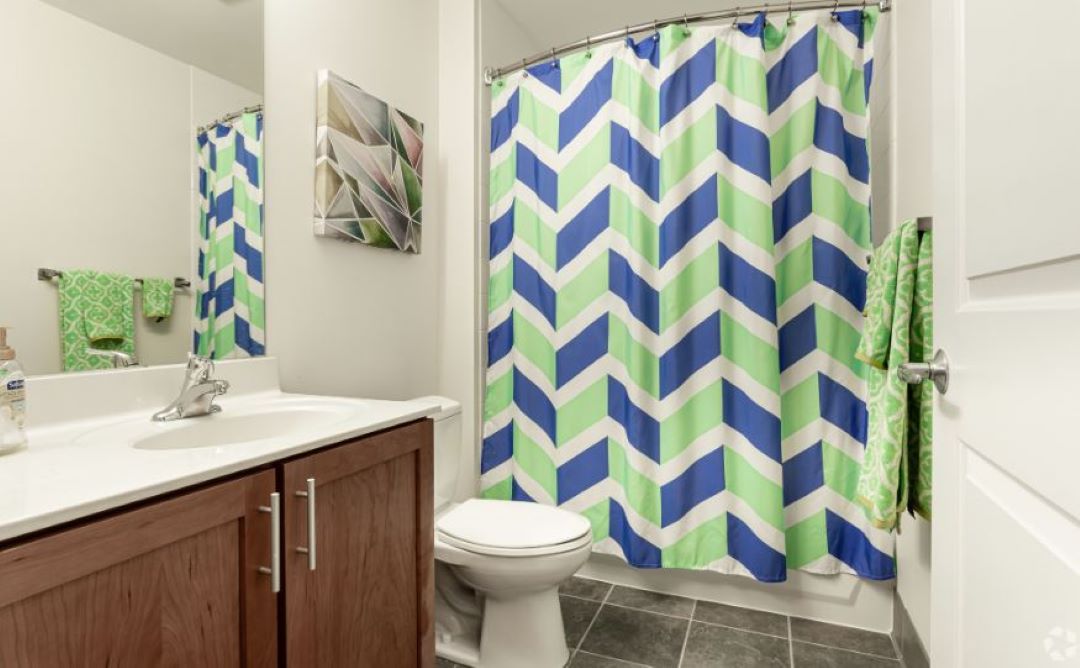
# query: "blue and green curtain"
678,239
230,318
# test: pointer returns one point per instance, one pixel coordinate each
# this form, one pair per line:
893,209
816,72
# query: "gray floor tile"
577,614
586,660
594,590
816,656
719,646
844,637
742,618
636,635
651,601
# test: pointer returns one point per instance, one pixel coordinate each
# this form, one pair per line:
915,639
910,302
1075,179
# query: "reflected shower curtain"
678,237
229,314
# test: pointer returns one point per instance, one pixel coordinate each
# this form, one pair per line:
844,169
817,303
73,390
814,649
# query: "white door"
1006,527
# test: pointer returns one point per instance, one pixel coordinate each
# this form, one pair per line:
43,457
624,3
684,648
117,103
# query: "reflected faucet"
120,360
197,394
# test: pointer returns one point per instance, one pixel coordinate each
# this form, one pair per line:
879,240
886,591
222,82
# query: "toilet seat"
512,528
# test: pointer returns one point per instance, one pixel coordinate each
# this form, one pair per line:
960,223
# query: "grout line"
896,648
612,658
582,598
790,643
851,651
592,621
686,636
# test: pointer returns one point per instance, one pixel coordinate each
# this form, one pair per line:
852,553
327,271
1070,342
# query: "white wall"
460,366
344,318
913,197
97,134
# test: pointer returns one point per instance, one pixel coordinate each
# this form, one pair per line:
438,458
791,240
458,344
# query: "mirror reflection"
132,222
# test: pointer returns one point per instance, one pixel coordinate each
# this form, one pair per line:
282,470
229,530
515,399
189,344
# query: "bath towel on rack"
96,311
896,470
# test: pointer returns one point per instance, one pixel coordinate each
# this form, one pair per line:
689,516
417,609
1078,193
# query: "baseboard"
907,640
839,599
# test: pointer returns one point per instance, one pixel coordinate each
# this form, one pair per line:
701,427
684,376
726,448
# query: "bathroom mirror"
132,131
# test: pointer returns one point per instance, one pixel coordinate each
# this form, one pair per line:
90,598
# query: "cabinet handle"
274,571
309,494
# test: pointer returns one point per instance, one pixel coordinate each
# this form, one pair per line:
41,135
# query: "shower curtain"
229,315
678,239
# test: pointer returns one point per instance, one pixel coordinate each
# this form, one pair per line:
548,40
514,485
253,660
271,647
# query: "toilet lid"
514,525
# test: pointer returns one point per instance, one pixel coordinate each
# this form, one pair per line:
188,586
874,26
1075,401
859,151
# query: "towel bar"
45,274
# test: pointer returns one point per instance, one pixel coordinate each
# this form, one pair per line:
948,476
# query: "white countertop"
75,469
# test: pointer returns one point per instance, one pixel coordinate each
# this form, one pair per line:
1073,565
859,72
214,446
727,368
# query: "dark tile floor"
615,627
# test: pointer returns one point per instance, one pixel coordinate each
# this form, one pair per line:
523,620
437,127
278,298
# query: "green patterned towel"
897,329
96,311
157,298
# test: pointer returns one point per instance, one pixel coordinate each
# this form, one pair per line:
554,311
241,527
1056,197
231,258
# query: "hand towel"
897,329
96,311
157,298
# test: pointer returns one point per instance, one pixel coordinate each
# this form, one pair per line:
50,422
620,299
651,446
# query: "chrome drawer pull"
274,571
309,494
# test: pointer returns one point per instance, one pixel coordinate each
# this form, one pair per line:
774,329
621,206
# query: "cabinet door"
366,599
173,583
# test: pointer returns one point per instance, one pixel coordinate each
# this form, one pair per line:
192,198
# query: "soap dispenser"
12,398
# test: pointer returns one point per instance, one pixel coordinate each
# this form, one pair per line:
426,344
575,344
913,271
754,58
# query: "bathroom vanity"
309,545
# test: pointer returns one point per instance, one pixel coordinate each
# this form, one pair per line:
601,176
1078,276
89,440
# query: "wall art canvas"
369,160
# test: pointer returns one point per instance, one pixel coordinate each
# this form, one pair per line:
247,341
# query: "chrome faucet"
120,360
197,394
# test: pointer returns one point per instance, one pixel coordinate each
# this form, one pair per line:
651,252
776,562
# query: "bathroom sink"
223,429
239,423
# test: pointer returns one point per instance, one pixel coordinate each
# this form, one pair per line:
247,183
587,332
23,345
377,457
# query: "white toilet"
498,568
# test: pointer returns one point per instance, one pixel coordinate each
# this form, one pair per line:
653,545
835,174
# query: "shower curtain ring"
835,11
588,47
735,21
790,15
553,61
524,69
685,25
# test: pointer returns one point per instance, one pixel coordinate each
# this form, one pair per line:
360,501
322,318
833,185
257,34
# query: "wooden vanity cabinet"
178,582
173,583
367,598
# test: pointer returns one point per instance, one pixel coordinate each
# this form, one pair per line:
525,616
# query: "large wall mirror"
131,220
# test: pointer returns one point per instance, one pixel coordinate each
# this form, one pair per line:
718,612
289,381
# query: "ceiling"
223,37
555,22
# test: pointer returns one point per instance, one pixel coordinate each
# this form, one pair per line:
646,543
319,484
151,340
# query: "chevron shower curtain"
229,315
677,272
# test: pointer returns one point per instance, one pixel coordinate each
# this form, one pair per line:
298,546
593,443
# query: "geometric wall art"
369,160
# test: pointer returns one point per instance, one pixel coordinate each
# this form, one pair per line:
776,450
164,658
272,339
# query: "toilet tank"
448,449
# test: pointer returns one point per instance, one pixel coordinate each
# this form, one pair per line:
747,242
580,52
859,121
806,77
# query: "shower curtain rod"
228,117
491,74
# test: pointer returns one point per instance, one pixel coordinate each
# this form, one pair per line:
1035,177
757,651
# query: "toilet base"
524,631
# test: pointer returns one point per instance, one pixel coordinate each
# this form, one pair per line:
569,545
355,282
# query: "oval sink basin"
223,429
239,423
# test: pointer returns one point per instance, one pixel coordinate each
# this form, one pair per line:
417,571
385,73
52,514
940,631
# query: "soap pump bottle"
12,398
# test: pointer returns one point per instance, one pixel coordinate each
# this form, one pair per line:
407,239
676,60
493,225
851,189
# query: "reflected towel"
897,467
157,298
96,311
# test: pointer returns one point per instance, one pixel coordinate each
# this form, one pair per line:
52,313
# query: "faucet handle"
202,367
